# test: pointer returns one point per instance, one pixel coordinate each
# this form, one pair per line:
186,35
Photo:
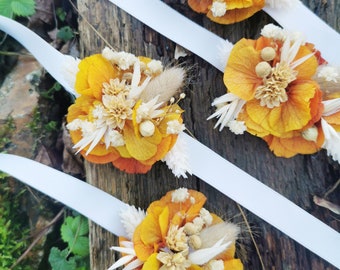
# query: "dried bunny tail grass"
210,235
165,85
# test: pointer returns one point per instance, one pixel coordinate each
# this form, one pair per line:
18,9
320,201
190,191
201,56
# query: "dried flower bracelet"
232,11
281,90
178,233
125,112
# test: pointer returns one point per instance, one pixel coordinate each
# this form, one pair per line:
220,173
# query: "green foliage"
11,8
65,33
61,14
6,131
49,94
74,232
13,229
58,260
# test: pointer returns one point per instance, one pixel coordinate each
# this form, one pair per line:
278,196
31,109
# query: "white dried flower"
180,195
174,127
332,140
131,217
149,110
272,31
113,138
177,159
237,127
228,108
124,60
218,8
69,71
328,73
154,67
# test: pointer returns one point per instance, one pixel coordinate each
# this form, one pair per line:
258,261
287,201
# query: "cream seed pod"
195,241
268,53
191,229
147,128
263,69
311,134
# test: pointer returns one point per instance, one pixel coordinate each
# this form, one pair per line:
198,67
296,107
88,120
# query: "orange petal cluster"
232,10
150,236
106,113
283,124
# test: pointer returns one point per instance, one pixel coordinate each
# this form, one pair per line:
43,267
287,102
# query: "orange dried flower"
227,11
119,116
178,233
272,92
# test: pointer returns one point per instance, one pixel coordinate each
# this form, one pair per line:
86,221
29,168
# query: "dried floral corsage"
232,11
126,113
177,233
282,90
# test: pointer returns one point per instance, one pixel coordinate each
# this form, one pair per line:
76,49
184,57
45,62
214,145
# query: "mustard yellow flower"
178,233
121,115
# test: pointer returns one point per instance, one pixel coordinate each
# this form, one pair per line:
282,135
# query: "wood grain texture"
297,178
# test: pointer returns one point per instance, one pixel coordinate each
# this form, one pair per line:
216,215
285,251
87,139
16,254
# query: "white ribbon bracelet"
268,204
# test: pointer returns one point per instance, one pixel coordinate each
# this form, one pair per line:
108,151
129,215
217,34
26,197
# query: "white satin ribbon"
88,200
207,165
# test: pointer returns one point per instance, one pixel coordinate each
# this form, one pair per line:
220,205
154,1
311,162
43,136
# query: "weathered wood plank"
297,178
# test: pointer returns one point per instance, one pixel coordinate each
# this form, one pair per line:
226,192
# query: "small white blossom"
69,71
124,60
328,73
154,67
113,138
149,110
131,217
272,31
174,127
218,8
177,159
237,127
332,140
180,195
224,48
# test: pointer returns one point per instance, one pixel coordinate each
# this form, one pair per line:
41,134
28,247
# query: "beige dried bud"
195,241
147,128
190,228
263,69
310,134
268,53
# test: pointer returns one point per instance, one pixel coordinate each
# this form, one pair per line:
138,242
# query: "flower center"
118,109
273,92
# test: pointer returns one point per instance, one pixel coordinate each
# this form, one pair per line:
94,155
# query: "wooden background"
298,178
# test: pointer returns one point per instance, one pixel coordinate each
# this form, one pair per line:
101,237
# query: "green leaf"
6,8
9,8
58,260
23,7
74,232
65,33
